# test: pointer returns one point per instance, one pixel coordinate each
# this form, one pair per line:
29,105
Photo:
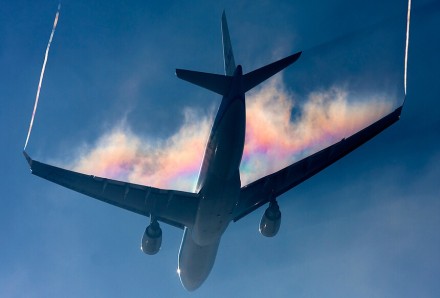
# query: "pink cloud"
273,139
170,163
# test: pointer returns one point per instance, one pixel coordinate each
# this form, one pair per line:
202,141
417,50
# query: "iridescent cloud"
170,163
273,138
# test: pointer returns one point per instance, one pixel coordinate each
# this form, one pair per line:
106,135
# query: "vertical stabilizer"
228,55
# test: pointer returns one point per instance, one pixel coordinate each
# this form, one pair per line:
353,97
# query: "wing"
176,208
263,190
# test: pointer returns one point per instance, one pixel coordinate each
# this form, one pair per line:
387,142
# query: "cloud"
170,163
273,138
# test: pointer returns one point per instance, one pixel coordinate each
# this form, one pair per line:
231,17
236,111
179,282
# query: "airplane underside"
219,198
195,261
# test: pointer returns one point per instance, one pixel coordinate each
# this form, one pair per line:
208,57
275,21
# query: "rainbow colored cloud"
273,139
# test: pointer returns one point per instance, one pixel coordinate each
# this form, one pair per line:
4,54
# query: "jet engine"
271,220
152,239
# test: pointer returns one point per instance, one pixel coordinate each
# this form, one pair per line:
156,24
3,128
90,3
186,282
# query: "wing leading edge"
261,191
176,208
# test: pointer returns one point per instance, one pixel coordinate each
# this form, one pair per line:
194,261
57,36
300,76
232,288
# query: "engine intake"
152,239
271,220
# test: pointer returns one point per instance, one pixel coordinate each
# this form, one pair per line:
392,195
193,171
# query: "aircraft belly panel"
221,186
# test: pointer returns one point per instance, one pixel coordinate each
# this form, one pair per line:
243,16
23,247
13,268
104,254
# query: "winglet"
28,158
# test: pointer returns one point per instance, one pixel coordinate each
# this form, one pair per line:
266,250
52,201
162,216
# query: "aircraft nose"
190,283
195,261
195,264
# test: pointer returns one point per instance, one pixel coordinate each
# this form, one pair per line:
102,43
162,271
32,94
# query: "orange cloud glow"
273,138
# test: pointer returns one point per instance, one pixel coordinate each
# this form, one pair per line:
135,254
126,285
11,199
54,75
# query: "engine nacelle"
271,220
152,239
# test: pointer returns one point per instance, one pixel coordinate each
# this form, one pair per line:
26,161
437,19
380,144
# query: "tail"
221,83
228,55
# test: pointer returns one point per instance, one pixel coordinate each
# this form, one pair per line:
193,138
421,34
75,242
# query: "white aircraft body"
219,197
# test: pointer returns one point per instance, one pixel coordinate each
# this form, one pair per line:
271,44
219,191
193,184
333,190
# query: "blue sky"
365,227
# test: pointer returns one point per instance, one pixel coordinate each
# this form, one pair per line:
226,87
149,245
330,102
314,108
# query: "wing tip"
28,158
294,57
398,111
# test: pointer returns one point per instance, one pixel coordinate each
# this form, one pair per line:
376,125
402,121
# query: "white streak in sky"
407,44
42,74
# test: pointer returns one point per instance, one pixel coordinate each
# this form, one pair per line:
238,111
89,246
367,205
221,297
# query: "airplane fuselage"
218,197
218,187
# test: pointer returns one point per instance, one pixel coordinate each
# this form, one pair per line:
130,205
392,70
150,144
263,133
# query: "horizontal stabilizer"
217,83
252,79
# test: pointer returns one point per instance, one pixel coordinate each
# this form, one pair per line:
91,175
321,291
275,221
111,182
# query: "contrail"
42,74
407,44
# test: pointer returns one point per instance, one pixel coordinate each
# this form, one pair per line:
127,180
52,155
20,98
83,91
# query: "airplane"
219,198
